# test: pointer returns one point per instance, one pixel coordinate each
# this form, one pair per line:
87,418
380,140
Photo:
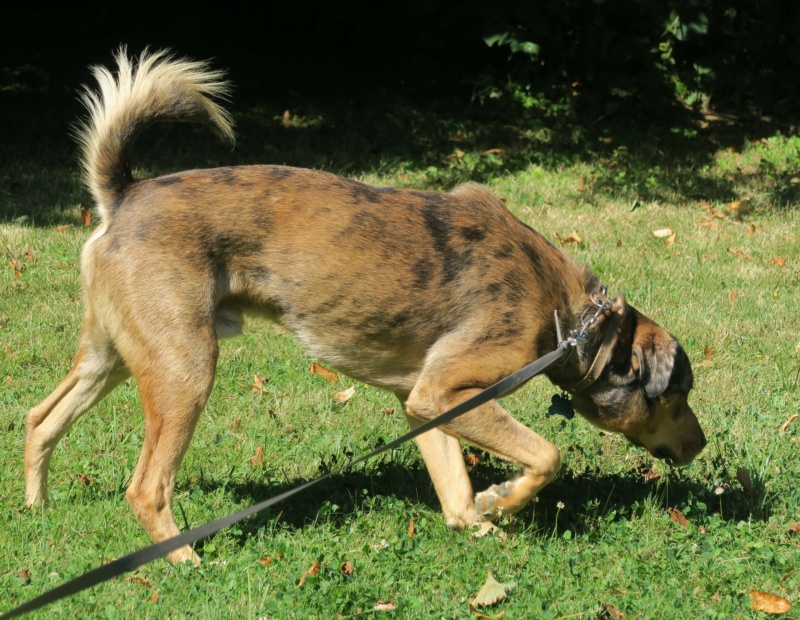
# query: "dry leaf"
236,423
573,238
25,575
707,357
385,606
312,570
492,592
582,185
677,516
751,230
482,615
662,233
86,217
738,253
411,528
323,372
609,611
258,457
85,480
345,395
258,384
649,474
738,208
62,228
743,476
266,561
471,460
347,569
732,296
769,603
786,424
779,261
795,527
155,597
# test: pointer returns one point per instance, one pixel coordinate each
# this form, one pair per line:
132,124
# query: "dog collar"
601,357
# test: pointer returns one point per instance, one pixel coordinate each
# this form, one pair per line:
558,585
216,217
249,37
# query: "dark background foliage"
740,56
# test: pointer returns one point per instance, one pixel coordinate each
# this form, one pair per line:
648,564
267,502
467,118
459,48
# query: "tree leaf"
345,395
677,516
323,372
492,592
769,603
312,570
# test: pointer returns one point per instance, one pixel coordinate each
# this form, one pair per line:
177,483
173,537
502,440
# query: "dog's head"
643,390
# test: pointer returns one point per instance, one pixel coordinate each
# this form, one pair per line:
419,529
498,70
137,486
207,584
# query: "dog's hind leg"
174,381
96,371
444,383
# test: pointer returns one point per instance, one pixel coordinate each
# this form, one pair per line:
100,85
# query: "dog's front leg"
445,463
488,427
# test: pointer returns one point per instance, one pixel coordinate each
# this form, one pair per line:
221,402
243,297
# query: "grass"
600,535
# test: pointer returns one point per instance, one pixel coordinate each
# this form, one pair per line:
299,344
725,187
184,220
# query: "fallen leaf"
609,611
258,457
155,597
743,476
312,570
720,215
786,424
85,480
779,261
25,575
732,296
323,372
751,230
795,527
236,423
347,569
62,228
258,384
138,579
582,185
738,208
492,592
385,606
345,395
86,217
707,357
738,253
574,237
662,233
471,461
482,615
677,516
266,561
649,474
411,528
769,603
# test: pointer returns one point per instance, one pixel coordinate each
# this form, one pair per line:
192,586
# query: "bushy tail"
157,87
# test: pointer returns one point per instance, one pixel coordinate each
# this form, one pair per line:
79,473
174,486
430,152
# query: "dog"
432,296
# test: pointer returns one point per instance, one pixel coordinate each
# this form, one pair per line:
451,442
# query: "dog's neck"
586,362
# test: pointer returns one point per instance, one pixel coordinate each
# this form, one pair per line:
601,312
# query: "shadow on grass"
440,142
589,499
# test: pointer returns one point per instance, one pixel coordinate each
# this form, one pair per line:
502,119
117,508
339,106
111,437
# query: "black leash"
125,564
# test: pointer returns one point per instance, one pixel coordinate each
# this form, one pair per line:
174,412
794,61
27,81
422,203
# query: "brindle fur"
432,296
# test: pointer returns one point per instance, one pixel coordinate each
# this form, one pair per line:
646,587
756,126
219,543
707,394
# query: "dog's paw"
489,504
482,528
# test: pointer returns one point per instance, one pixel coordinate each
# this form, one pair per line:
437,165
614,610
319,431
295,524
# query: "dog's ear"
652,356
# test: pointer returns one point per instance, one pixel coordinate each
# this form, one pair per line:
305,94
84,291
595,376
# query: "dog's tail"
157,87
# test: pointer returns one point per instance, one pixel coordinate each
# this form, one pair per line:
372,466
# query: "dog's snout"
664,454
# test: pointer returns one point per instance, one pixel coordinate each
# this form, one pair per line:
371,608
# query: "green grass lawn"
603,537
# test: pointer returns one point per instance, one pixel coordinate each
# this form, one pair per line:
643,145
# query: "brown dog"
446,293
